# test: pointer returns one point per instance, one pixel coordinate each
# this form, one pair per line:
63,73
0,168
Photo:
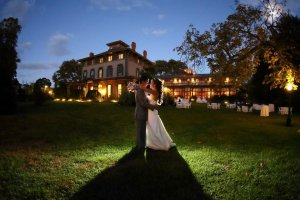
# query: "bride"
157,137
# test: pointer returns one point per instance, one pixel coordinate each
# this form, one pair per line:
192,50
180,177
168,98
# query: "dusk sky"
54,31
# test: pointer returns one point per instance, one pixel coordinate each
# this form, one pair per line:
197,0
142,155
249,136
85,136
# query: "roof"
118,42
184,76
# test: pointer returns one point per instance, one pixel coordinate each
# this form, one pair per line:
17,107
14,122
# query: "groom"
141,113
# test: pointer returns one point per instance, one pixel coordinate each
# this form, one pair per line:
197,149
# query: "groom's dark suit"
141,117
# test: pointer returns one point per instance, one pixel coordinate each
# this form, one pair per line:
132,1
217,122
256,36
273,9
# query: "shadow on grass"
161,175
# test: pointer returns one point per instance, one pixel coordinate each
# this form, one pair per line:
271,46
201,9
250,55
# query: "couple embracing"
150,130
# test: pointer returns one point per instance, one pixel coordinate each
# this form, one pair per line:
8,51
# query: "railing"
190,83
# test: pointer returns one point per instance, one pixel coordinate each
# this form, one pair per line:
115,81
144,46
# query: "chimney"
91,54
145,53
133,46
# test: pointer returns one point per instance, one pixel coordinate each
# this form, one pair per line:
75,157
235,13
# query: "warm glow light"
56,99
166,90
227,80
70,99
175,80
289,87
92,87
63,99
114,101
103,92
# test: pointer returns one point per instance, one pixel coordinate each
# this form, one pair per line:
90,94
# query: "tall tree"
234,47
9,30
167,67
69,72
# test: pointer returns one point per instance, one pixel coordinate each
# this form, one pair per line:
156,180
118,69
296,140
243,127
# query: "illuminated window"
175,80
109,71
101,60
120,70
138,60
109,91
120,56
110,58
100,72
119,90
179,80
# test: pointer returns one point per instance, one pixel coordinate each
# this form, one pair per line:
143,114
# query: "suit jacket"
142,105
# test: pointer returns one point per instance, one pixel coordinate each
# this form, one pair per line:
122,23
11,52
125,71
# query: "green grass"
83,151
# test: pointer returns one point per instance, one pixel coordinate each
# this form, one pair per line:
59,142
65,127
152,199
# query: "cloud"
58,44
155,32
16,8
161,16
121,5
36,66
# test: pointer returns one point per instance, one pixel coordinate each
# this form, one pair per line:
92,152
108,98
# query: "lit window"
110,58
121,56
119,90
175,80
138,60
108,90
179,80
101,60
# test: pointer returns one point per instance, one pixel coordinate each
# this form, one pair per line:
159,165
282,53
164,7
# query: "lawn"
83,151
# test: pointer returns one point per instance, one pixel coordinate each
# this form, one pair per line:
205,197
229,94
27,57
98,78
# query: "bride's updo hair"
159,87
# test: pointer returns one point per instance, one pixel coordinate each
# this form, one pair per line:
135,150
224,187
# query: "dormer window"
101,60
121,56
138,61
110,58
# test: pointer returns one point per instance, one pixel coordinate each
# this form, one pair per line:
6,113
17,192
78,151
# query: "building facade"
197,85
108,73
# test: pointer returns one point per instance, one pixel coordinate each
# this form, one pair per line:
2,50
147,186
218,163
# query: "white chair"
208,105
186,103
284,110
271,108
256,106
245,109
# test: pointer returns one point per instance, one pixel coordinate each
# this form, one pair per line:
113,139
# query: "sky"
54,31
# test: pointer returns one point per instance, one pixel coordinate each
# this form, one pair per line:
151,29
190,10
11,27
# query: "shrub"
127,98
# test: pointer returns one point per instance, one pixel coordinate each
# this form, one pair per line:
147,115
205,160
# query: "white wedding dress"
157,137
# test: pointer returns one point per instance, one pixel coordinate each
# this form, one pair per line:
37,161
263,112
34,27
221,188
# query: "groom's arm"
142,100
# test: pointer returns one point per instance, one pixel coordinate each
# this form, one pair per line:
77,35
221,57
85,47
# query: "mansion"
110,72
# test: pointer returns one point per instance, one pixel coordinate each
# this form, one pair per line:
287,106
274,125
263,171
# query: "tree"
9,29
234,47
69,72
40,90
167,67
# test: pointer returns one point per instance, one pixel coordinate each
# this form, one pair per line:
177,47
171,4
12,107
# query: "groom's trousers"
140,134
